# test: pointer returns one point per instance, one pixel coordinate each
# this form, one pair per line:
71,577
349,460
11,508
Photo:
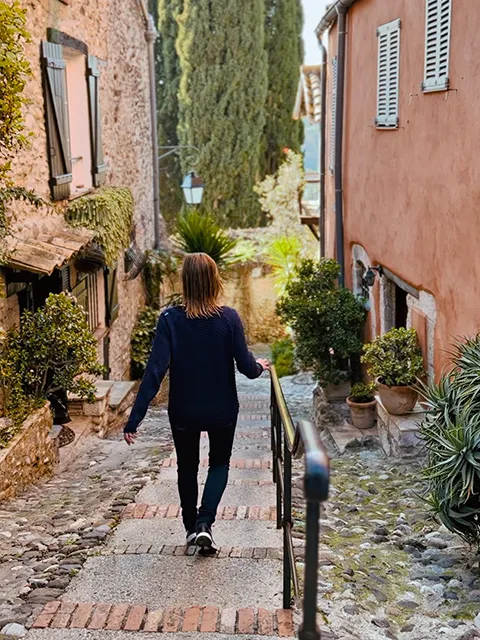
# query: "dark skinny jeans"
187,446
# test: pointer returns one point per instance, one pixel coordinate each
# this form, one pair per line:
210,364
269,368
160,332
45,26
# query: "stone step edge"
235,463
234,482
244,553
203,619
136,511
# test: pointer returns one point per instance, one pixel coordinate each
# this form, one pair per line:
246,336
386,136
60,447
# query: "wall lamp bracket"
370,274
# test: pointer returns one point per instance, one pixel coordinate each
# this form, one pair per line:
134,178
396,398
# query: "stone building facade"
99,49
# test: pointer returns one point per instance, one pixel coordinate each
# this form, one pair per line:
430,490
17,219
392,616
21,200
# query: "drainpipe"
151,35
342,23
338,11
323,162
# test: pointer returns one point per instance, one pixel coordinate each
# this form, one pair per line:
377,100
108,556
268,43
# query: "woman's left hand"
130,438
264,363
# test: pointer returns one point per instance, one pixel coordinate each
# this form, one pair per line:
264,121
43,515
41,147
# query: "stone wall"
115,33
29,456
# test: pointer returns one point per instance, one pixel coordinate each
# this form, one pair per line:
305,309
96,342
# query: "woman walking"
198,342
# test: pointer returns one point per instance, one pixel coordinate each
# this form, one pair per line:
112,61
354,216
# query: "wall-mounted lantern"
370,275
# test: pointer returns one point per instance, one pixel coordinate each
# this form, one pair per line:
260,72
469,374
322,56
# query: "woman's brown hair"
202,286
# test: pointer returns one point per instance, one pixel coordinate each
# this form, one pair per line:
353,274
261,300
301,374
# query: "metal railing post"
278,462
309,629
287,523
273,417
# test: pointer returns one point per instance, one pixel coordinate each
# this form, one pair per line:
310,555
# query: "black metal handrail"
289,441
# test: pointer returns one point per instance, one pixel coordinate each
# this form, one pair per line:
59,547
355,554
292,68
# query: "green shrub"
395,358
199,233
283,357
451,433
284,256
159,265
363,393
142,340
327,320
51,351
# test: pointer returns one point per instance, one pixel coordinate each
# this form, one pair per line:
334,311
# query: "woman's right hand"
264,363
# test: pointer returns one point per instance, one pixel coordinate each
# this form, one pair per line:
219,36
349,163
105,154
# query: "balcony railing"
295,441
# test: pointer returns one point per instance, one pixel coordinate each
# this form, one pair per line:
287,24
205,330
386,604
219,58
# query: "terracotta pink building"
402,170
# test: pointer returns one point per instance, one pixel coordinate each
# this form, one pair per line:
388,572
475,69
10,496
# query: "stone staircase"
147,580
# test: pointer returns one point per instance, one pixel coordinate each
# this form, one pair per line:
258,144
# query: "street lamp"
193,188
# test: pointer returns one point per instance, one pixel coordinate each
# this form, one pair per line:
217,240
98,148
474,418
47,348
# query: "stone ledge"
399,435
31,454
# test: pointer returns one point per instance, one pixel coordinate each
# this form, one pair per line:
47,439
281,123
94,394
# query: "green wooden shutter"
98,163
56,116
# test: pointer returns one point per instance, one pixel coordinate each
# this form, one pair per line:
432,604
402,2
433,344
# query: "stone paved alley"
386,569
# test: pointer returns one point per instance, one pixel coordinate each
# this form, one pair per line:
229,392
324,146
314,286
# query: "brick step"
235,463
144,512
234,482
127,617
247,553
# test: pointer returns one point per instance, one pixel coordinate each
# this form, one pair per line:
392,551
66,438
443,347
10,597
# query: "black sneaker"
191,537
204,537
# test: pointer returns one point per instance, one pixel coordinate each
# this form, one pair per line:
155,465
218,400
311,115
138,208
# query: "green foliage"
142,340
395,358
14,73
159,265
279,194
451,433
326,319
284,257
222,92
283,42
168,80
363,393
52,350
283,357
199,233
108,212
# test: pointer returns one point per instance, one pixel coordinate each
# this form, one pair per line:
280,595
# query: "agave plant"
284,256
199,233
451,433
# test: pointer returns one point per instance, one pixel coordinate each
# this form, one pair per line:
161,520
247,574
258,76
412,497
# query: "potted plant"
362,405
395,360
327,322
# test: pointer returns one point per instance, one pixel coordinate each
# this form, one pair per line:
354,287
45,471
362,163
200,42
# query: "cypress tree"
222,95
284,45
167,69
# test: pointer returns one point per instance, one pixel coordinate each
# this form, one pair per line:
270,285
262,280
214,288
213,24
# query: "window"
437,45
111,295
388,75
86,294
334,112
72,111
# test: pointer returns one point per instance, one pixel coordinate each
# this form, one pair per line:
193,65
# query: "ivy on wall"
108,212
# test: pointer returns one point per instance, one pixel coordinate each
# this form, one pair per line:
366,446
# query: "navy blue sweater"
200,354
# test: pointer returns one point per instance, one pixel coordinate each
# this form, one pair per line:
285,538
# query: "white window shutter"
388,75
334,112
437,45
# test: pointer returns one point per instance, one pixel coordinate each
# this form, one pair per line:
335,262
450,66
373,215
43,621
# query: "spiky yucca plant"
451,432
199,233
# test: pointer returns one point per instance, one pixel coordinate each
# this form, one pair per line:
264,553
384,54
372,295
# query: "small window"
111,295
437,45
388,75
334,113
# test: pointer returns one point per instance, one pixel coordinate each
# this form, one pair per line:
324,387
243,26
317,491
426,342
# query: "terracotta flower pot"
363,413
397,400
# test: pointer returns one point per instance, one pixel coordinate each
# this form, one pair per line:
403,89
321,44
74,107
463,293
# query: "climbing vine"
108,212
14,73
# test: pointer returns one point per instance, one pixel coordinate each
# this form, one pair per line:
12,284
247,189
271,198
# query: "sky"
313,11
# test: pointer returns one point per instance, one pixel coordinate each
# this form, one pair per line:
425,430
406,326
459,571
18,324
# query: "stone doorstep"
137,511
399,435
119,394
195,619
346,435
